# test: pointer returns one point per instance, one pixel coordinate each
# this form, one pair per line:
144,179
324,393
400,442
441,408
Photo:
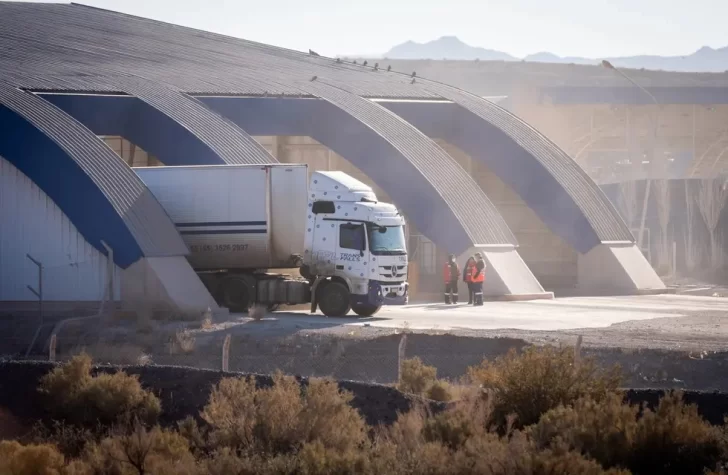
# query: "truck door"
352,244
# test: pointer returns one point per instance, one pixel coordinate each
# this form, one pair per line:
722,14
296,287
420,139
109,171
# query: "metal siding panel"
33,224
105,191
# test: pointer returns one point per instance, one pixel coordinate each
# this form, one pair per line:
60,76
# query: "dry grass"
75,396
114,353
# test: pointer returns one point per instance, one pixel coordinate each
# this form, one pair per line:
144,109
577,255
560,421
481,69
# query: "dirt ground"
689,352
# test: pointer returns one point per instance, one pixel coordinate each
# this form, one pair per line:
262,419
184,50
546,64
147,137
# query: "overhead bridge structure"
70,74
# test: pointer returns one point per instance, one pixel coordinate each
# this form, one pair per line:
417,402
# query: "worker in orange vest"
468,277
478,277
450,276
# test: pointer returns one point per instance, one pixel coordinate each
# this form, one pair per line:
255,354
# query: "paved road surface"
538,315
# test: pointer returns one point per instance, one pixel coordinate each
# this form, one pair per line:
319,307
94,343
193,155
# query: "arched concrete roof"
56,42
104,199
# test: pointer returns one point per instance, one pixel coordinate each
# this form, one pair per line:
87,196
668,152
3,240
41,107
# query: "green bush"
74,395
529,384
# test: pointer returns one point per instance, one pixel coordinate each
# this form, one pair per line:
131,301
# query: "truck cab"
355,249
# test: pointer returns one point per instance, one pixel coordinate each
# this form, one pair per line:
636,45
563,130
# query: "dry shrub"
17,459
74,395
181,342
69,439
540,379
673,439
603,430
440,391
283,417
117,354
417,377
139,451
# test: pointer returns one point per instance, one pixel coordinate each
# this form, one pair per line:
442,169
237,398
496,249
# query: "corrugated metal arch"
102,196
231,144
562,194
435,192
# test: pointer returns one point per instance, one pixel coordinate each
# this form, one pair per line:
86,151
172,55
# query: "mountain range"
706,59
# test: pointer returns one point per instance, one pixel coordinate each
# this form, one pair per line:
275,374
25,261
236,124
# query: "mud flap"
314,293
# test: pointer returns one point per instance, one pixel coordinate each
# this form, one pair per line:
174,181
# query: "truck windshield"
386,240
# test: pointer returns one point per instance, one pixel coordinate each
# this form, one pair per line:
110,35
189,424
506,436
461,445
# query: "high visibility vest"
469,271
449,274
477,277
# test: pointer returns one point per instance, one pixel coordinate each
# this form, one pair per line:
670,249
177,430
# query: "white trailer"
242,222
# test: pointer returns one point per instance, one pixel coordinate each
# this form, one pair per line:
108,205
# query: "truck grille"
392,272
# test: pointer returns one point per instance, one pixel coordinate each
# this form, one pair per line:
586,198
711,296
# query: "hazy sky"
592,28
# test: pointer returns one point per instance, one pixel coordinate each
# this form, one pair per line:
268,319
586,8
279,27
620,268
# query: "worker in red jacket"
468,277
450,276
478,277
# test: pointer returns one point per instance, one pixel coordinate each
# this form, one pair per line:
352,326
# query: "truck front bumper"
388,293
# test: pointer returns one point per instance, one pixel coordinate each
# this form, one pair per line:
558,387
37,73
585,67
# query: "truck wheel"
334,300
236,294
365,310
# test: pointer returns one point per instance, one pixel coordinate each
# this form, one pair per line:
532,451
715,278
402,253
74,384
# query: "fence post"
109,284
400,356
38,293
577,352
52,348
226,354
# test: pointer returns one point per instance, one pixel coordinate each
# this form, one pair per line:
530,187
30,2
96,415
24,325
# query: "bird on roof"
314,78
365,63
414,73
376,66
313,53
354,61
389,68
338,60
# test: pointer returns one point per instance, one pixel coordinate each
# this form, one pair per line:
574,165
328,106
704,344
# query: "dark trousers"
470,292
477,293
451,292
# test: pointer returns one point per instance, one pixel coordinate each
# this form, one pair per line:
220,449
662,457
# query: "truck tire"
365,310
235,294
334,300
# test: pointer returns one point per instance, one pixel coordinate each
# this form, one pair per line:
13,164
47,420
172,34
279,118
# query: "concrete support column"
165,283
617,268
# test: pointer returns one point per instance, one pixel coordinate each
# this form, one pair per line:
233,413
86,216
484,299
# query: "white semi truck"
245,224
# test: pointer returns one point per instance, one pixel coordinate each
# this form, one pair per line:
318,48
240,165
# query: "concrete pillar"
617,268
165,283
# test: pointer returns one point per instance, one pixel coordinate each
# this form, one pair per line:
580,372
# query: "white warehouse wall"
31,223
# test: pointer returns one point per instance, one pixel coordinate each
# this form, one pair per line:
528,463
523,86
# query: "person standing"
478,279
468,277
450,276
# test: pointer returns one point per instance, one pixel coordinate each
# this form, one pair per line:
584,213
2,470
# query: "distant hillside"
706,59
447,47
